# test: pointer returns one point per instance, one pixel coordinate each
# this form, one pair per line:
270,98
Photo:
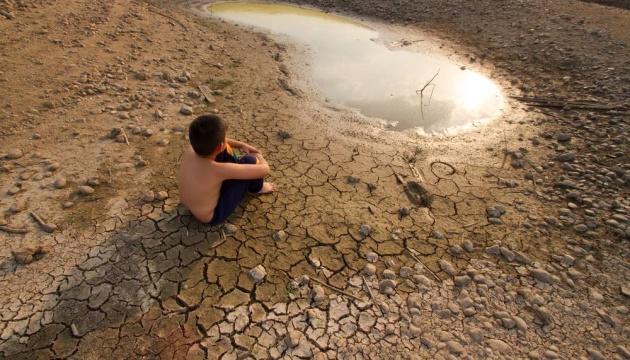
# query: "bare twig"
374,301
453,171
13,230
411,252
337,289
44,225
505,149
421,93
168,17
124,134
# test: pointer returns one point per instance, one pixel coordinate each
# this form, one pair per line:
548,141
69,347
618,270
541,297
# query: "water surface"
350,66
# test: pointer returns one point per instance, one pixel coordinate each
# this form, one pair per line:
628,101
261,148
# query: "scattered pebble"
28,254
14,154
85,190
60,183
279,235
257,274
369,269
365,230
371,256
148,196
161,195
186,110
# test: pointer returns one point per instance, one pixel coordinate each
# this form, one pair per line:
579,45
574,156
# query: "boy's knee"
248,159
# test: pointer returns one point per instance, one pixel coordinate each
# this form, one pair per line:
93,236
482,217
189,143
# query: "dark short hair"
205,133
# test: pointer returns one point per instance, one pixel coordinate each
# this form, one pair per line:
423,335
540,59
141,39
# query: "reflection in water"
352,69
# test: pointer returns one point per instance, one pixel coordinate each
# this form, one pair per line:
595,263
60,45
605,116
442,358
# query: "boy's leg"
233,191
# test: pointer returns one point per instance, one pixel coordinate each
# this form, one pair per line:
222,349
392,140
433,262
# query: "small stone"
595,295
468,245
52,167
495,221
456,250
230,228
318,295
389,274
365,230
147,196
625,290
163,142
476,334
405,272
293,338
566,157
462,281
422,280
369,269
27,255
13,190
14,154
93,181
67,205
498,345
563,137
371,257
85,190
387,286
542,276
257,274
455,347
594,354
186,110
279,235
161,195
60,183
17,207
447,267
75,330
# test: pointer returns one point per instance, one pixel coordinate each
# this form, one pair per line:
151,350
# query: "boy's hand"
249,149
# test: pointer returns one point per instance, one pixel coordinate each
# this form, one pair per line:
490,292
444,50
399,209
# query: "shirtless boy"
212,180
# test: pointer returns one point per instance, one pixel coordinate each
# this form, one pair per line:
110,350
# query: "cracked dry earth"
339,263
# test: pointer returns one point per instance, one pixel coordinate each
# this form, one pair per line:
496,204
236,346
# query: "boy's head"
207,134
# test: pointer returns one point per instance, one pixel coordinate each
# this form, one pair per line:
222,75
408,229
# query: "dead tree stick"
168,17
374,301
413,256
44,225
124,134
453,170
421,93
13,230
337,289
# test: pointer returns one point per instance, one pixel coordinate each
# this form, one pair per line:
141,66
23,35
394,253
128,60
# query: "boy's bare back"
199,185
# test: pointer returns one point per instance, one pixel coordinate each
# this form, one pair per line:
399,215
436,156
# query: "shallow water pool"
351,66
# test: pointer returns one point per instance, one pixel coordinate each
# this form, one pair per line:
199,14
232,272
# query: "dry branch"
411,252
421,93
337,289
13,230
168,17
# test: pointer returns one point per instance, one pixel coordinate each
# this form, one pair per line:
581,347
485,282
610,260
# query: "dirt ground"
521,252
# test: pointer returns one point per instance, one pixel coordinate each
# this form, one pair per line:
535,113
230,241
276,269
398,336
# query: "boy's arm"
241,145
243,171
